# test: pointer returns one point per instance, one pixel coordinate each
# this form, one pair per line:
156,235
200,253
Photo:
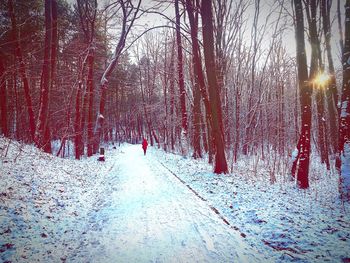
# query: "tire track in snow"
204,229
215,210
199,227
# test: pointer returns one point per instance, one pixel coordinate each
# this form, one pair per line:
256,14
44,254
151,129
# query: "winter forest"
245,107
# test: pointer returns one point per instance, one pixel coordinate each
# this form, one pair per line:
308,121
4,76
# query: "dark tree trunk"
80,112
237,123
343,162
90,88
214,95
54,44
3,98
331,91
180,70
301,163
322,129
341,40
46,78
77,124
17,122
87,13
197,151
22,70
172,101
315,69
199,74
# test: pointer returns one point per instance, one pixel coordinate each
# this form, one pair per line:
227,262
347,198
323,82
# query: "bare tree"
302,160
129,14
214,95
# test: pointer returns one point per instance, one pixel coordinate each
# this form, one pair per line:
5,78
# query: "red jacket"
144,144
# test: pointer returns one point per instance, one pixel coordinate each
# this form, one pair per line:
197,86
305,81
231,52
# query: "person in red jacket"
144,145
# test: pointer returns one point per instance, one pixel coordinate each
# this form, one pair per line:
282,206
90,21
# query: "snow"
281,221
161,208
344,106
295,154
43,200
345,171
124,210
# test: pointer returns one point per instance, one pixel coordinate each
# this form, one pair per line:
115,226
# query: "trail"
147,215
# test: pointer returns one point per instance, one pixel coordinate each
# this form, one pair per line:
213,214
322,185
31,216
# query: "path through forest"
149,216
132,208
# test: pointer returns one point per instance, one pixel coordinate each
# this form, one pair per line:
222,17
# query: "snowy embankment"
43,202
278,219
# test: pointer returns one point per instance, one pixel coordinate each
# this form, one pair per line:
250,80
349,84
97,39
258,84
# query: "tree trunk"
172,101
331,89
322,140
17,121
197,152
22,70
181,79
90,88
301,162
3,99
199,74
77,124
341,40
315,69
46,78
237,122
214,95
54,44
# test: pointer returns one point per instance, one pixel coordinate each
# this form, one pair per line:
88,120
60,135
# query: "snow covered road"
149,216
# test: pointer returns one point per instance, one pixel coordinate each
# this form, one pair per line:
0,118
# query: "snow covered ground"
281,221
160,208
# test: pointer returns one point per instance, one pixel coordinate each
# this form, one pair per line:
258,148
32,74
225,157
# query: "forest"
212,79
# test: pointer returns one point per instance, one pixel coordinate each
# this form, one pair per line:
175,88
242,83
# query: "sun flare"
321,79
